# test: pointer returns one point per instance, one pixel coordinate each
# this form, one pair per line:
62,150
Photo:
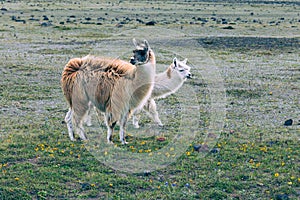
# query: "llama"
114,87
166,83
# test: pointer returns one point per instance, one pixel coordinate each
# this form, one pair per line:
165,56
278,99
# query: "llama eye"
181,70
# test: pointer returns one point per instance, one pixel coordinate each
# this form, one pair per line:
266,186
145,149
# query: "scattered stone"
288,122
46,24
245,178
33,19
151,23
161,139
3,9
85,186
45,18
147,173
215,150
119,25
140,21
197,147
282,197
228,27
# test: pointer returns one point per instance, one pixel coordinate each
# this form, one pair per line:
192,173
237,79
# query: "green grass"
255,156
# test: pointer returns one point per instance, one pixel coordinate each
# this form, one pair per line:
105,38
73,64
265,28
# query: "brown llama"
114,87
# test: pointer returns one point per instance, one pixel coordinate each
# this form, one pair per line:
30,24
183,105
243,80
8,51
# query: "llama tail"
68,77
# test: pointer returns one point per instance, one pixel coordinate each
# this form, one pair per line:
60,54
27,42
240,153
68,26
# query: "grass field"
246,83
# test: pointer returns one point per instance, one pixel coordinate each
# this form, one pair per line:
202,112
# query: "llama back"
69,76
112,67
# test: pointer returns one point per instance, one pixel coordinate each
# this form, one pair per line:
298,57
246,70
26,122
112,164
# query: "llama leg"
68,120
77,120
153,112
88,117
110,127
122,129
135,119
110,130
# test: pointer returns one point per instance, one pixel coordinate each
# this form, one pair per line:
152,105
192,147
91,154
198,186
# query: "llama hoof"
124,142
110,142
160,125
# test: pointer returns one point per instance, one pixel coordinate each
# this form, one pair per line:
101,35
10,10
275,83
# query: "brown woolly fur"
112,86
69,76
112,68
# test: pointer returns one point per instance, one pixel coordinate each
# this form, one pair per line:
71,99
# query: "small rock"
288,122
282,197
147,173
228,27
161,139
197,147
3,9
46,24
85,186
215,150
151,23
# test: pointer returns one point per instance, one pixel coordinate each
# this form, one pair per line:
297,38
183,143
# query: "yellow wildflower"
188,153
276,174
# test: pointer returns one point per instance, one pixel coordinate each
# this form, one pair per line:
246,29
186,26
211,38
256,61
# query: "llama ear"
185,61
147,44
134,42
175,62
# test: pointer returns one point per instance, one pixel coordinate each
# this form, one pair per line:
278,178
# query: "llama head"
182,69
141,52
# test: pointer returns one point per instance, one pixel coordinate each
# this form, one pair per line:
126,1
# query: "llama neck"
143,83
166,85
